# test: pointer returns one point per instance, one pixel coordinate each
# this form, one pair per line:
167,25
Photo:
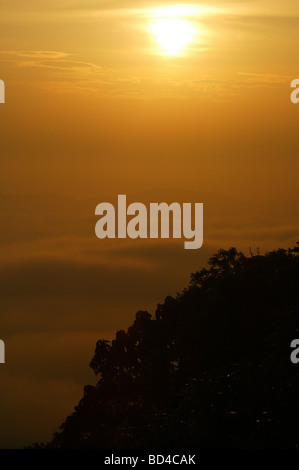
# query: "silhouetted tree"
212,369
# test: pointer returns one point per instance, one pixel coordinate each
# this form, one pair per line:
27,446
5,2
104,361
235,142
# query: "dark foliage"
212,369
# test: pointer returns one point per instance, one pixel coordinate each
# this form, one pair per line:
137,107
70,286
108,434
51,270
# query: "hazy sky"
95,107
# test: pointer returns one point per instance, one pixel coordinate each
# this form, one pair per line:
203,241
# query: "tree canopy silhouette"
211,369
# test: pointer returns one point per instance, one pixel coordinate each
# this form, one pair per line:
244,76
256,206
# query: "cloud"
61,73
55,272
36,54
31,11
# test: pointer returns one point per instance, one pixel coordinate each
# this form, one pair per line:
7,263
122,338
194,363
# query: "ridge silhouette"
211,369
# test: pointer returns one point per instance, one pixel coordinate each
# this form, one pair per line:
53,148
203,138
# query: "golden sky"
98,103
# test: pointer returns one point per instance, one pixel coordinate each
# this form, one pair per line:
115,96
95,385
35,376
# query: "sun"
173,30
173,34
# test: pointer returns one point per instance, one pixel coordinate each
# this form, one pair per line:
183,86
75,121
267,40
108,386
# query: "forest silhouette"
211,369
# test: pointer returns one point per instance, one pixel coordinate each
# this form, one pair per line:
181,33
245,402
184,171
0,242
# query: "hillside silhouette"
211,368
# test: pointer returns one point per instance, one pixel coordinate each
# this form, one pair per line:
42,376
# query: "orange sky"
95,108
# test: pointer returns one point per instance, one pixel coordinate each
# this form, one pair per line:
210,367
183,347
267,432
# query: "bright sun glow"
172,29
173,34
